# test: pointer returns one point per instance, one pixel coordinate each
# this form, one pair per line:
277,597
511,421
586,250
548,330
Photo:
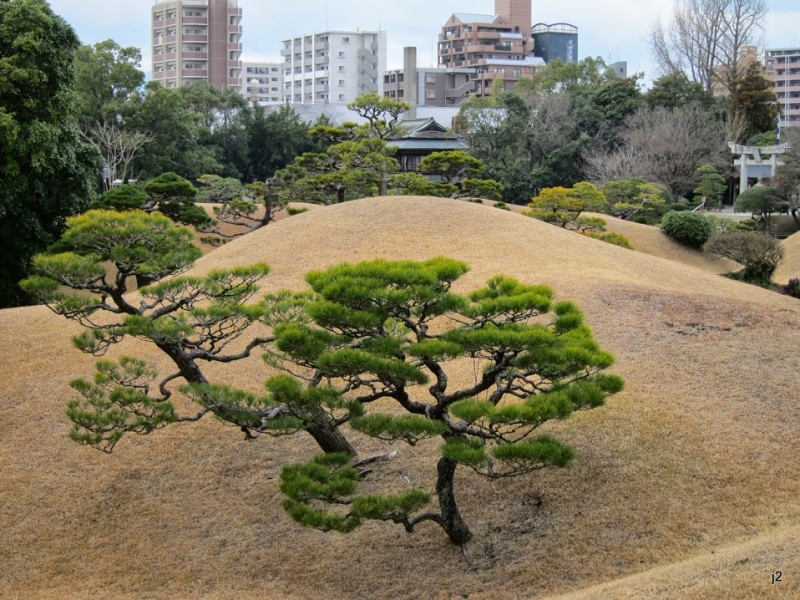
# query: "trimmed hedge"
688,228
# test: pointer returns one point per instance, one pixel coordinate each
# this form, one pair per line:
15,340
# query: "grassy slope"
691,458
790,267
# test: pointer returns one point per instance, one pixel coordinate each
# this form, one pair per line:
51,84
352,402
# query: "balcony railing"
195,37
194,73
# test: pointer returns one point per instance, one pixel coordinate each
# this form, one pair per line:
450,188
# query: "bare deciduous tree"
705,39
663,146
118,148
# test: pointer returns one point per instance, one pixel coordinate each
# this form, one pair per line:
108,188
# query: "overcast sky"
612,29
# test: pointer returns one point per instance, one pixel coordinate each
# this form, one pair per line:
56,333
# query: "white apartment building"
196,40
333,67
783,67
262,82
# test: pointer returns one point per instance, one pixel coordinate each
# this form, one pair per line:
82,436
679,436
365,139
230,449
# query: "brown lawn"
790,267
686,484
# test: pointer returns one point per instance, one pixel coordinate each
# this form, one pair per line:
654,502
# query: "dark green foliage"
219,190
753,100
274,139
116,403
410,428
174,196
106,77
629,198
452,166
792,288
712,186
746,225
675,90
328,479
47,170
295,211
688,228
768,138
528,141
759,254
761,200
416,184
122,198
181,141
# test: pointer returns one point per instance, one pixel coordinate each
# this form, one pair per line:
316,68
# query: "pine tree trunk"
383,185
451,521
331,440
326,433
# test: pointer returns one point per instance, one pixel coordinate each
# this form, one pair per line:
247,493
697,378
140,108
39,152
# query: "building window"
430,78
517,73
341,96
345,40
341,69
341,82
431,94
341,54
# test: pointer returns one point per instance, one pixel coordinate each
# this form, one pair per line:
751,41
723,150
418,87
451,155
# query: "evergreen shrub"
687,228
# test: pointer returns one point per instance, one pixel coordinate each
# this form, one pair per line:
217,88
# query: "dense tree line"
193,130
579,121
46,169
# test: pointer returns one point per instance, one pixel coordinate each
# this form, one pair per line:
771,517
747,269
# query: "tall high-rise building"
333,67
197,40
499,45
783,67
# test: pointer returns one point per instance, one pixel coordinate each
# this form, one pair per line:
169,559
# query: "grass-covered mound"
694,457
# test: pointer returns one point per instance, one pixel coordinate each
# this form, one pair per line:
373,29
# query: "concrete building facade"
333,67
498,46
196,40
783,67
262,82
428,86
558,40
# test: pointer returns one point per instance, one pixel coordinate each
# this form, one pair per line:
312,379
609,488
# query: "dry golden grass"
790,267
695,457
651,240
